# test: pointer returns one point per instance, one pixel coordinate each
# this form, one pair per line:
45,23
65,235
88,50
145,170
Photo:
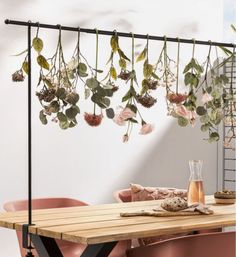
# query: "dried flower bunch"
205,93
129,114
57,95
150,80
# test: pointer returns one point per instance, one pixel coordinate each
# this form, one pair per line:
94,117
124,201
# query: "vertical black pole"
26,236
29,132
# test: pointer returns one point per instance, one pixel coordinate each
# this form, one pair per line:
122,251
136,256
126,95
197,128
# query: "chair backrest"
123,195
203,245
42,203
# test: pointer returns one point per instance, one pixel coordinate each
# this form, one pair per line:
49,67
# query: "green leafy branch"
150,80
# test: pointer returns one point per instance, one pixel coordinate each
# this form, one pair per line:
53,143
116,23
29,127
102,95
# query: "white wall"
90,163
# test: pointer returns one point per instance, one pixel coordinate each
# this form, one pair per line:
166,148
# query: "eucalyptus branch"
207,63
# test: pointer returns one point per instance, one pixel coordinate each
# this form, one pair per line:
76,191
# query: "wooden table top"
102,223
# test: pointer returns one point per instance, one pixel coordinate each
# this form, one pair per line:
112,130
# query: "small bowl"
225,201
225,197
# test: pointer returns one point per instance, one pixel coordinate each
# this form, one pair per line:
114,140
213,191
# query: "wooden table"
101,226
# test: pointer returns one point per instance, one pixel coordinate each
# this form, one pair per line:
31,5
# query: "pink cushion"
140,193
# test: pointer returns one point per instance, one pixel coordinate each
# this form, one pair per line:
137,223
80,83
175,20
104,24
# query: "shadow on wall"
166,163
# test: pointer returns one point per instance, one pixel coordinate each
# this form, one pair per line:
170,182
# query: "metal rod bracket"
25,236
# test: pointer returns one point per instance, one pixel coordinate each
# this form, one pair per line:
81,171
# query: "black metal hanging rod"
121,34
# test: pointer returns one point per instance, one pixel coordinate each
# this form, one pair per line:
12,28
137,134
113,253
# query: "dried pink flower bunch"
125,114
183,112
93,119
146,128
206,98
176,98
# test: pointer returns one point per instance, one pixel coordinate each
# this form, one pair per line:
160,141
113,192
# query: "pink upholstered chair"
123,195
68,249
204,245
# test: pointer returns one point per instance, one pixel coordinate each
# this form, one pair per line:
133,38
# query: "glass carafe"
195,188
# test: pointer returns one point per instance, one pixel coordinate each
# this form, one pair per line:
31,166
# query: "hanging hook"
147,39
78,34
177,75
210,43
59,27
147,45
78,43
96,30
96,61
132,35
165,39
178,40
37,32
194,44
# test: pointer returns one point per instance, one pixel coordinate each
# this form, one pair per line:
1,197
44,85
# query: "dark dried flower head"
152,84
46,95
18,76
40,96
146,100
176,98
124,75
93,119
111,85
115,88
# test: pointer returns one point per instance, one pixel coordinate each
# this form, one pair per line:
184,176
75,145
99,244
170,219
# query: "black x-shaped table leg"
47,247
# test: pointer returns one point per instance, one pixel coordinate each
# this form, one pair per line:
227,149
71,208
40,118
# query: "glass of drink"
195,188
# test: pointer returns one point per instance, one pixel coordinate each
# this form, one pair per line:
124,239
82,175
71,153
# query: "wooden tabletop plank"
82,208
102,223
148,230
58,231
9,221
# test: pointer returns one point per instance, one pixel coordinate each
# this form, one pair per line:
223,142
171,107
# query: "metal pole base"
99,250
45,246
29,254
